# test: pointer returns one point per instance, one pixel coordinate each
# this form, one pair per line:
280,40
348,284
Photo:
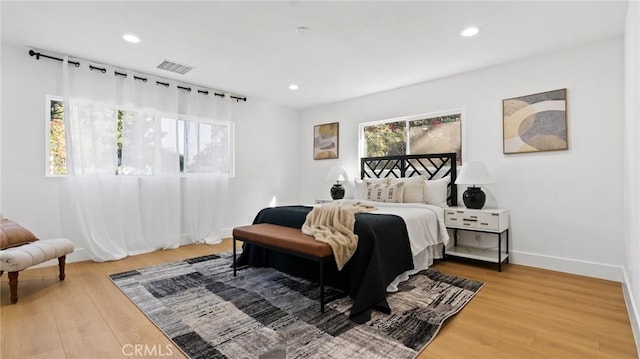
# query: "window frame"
407,120
200,120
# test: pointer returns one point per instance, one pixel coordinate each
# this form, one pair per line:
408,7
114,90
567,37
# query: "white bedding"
426,229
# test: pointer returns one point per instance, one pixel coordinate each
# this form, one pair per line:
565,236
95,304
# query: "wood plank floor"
522,312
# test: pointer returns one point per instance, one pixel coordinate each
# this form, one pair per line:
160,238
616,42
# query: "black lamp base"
474,198
337,191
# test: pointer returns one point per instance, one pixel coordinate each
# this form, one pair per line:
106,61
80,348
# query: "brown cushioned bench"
287,240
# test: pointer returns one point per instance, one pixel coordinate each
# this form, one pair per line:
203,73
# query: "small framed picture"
535,123
326,141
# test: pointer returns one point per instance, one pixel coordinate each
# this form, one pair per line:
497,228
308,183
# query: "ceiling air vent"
173,67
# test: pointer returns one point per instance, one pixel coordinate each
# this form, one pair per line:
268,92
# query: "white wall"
632,167
566,206
27,196
1,215
264,132
266,164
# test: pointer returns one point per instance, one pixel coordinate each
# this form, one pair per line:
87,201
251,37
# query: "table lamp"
474,173
337,173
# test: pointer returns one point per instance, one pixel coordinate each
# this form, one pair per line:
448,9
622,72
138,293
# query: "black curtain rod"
204,92
101,69
38,55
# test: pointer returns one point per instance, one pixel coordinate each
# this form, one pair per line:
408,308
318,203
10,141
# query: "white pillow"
436,192
413,188
371,181
381,192
357,189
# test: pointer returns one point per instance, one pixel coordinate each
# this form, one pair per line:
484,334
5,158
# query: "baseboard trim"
632,309
568,265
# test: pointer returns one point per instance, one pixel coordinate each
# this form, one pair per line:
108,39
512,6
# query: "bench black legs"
321,280
234,256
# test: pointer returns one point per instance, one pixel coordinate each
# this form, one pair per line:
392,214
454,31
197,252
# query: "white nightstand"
479,220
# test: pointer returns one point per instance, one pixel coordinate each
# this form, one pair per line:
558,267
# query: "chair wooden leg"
61,262
13,286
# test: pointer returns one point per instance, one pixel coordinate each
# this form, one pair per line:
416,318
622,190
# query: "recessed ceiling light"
470,31
131,38
303,30
293,87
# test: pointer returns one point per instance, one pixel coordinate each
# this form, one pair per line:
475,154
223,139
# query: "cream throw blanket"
333,224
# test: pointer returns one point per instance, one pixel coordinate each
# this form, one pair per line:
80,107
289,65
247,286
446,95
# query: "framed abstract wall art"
535,123
325,141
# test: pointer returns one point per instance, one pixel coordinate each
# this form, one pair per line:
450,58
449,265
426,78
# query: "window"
136,143
146,144
423,134
56,149
385,139
213,141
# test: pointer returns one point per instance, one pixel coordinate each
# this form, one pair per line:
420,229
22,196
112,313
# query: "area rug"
261,313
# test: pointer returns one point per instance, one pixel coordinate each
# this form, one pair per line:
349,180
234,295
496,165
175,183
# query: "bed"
395,241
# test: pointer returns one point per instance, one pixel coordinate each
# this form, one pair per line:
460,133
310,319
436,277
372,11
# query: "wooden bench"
287,240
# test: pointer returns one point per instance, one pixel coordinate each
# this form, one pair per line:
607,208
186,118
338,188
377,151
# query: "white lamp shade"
474,173
337,173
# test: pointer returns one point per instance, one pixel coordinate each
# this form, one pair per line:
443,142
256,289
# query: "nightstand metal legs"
507,259
500,249
499,252
455,237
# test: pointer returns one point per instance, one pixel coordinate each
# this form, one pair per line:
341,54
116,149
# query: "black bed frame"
433,166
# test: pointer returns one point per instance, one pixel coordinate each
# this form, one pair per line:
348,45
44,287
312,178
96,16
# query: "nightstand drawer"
488,221
482,220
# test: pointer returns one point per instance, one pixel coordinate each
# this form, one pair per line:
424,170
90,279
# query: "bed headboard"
436,165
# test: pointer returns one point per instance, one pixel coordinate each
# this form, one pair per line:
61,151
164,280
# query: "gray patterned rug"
264,313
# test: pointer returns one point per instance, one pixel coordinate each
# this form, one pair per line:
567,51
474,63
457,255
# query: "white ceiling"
353,49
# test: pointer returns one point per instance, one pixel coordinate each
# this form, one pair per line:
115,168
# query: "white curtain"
126,191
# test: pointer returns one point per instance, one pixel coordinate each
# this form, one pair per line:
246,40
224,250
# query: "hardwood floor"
522,312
